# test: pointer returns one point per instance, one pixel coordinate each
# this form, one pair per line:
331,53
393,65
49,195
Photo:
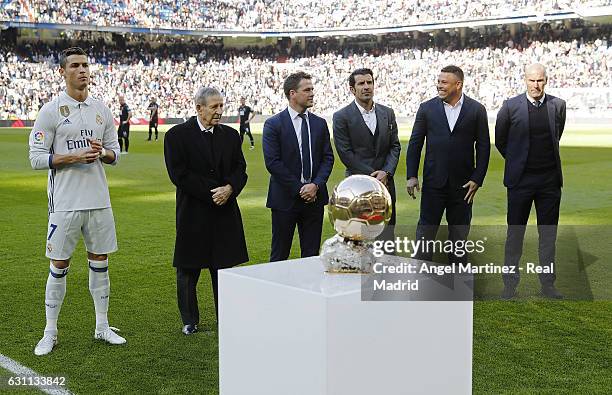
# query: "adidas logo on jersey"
66,122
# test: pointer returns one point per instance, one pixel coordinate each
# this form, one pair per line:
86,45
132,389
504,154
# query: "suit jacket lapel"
464,109
550,106
524,112
313,137
382,123
217,149
360,121
198,139
287,126
442,114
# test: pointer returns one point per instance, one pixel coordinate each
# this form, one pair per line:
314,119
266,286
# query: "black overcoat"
207,235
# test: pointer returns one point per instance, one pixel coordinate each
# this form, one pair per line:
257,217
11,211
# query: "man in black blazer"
204,160
456,131
299,158
365,135
527,133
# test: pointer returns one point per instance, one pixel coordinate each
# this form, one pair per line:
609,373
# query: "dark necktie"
537,103
306,165
208,142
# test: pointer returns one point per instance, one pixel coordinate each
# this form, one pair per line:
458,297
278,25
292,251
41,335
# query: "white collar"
459,103
363,111
294,114
532,100
202,128
75,102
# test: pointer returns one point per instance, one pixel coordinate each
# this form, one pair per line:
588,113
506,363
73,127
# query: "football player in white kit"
72,137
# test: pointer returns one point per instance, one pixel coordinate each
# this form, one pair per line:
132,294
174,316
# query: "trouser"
543,189
123,135
186,285
153,125
434,202
246,129
309,220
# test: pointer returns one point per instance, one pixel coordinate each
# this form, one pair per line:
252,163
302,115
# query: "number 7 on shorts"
53,227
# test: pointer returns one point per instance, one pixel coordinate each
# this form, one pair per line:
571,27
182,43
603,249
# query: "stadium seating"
276,14
405,69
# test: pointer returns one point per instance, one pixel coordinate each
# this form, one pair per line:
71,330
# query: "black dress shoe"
190,329
551,292
508,292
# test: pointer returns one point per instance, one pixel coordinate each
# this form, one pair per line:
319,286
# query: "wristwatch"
103,153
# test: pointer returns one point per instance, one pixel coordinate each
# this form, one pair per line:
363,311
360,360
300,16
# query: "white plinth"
289,328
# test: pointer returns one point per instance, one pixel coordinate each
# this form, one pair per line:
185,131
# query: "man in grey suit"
365,135
527,133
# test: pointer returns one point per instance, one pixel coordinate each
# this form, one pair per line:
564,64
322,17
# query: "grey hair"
536,66
202,95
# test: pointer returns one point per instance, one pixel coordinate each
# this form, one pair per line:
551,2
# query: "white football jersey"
63,127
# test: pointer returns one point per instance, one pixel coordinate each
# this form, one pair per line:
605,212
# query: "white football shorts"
65,228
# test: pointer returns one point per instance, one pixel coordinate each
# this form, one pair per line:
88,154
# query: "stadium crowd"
274,14
405,70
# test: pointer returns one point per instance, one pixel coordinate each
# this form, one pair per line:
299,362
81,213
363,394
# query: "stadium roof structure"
597,14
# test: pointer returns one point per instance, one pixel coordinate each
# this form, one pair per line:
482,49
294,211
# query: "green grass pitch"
530,346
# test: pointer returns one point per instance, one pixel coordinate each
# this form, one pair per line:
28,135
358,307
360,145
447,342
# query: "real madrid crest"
65,111
99,120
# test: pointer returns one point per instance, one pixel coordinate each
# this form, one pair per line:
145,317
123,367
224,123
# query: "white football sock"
99,287
54,297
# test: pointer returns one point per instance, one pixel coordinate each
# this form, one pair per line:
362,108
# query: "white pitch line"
20,370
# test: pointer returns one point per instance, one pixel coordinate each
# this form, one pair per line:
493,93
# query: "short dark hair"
68,52
293,81
454,70
362,71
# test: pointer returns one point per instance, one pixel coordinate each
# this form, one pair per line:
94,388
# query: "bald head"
535,68
535,80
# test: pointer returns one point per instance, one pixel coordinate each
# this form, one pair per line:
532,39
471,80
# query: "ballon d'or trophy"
359,209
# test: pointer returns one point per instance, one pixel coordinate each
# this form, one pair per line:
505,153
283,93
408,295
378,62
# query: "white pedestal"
289,328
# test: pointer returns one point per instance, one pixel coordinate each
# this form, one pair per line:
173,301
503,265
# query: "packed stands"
261,15
405,66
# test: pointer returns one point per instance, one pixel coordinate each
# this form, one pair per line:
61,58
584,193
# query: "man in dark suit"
527,133
205,162
456,158
299,158
365,135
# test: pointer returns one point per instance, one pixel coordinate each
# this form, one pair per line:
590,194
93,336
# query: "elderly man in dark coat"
205,162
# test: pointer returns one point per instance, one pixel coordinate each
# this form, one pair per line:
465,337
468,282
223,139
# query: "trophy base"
340,255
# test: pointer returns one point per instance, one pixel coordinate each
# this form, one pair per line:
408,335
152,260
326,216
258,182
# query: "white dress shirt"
369,117
452,112
532,100
297,125
202,128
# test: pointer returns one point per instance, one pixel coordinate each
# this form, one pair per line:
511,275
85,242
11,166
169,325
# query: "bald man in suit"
527,134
